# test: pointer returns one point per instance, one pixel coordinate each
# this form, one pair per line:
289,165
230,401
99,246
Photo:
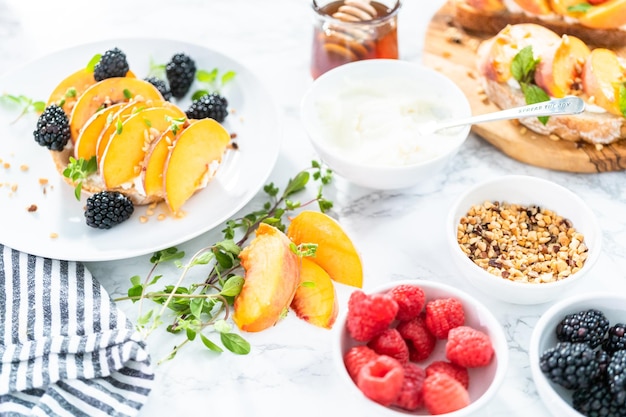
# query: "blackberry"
107,209
588,326
616,338
112,64
161,85
616,376
53,128
571,365
211,106
180,72
596,401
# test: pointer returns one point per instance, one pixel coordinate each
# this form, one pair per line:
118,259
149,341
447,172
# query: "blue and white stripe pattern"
65,349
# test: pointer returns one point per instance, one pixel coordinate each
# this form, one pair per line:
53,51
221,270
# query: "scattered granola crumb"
143,219
599,147
24,167
32,208
54,235
43,181
554,137
161,217
6,165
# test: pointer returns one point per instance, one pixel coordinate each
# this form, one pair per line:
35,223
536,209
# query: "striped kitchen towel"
65,349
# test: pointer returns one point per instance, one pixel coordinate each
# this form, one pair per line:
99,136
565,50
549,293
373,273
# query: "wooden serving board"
457,59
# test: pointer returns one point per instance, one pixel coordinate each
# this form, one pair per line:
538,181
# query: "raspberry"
455,371
356,357
410,299
369,315
444,394
420,341
390,343
410,397
381,379
468,347
444,314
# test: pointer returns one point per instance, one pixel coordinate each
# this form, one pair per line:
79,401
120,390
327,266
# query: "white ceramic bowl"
557,399
524,190
484,381
361,119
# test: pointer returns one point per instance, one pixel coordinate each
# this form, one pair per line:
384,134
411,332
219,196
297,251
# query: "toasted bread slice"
491,22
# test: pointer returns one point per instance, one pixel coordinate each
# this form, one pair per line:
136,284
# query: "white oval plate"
57,228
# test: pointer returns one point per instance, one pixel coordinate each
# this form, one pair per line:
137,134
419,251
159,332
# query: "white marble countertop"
290,370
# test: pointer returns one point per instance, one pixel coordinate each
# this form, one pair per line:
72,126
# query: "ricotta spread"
378,123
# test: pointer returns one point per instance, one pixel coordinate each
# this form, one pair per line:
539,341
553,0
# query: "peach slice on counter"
336,253
127,110
154,163
608,15
87,140
496,54
109,91
536,7
601,77
194,157
272,276
316,300
121,161
557,73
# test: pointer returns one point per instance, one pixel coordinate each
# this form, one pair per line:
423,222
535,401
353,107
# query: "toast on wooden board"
561,65
597,22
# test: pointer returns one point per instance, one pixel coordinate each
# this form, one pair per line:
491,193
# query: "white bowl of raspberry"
578,356
419,347
364,118
523,239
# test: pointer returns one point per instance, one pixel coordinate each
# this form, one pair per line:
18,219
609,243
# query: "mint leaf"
622,98
535,94
580,7
523,65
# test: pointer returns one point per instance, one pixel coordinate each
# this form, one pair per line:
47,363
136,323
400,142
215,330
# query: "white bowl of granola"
523,239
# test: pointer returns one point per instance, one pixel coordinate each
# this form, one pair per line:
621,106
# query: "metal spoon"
567,105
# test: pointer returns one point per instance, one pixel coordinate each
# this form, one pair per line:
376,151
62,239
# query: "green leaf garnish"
204,305
23,104
579,8
622,98
93,61
78,170
523,69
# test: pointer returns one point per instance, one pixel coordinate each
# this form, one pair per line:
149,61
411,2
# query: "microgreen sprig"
206,303
25,104
78,170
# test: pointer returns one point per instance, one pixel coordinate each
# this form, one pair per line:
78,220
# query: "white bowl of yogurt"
363,119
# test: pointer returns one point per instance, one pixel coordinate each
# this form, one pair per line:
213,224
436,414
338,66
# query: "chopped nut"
520,243
32,208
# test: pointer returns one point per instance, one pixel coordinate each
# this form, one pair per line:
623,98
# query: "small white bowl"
524,190
362,120
557,399
484,381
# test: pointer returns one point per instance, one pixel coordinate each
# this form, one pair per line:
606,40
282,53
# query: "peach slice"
87,141
608,15
559,72
272,275
490,6
121,161
154,163
193,160
127,110
536,7
70,88
336,253
316,300
109,91
601,76
496,54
